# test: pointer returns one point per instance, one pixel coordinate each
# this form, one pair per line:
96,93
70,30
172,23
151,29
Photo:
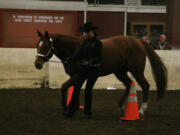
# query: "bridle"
50,51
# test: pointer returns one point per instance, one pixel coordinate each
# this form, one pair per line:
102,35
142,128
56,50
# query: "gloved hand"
66,60
85,63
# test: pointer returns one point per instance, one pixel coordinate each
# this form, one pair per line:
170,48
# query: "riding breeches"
89,74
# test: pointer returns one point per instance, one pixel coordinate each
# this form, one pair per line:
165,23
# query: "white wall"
43,5
17,71
77,6
170,58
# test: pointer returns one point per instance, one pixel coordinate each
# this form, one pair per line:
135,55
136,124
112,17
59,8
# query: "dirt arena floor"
38,112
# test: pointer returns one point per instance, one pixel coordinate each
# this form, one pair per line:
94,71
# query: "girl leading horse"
90,57
120,54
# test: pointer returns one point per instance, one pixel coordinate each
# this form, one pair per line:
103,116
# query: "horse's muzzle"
38,66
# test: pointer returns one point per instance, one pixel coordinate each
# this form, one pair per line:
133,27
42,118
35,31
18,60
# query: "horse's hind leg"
140,78
122,76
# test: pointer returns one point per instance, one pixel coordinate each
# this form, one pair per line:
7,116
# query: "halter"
49,52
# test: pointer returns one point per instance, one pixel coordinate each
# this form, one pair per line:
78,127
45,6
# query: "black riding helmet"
88,26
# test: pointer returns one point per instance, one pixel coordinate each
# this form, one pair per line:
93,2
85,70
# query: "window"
106,1
150,30
143,2
154,2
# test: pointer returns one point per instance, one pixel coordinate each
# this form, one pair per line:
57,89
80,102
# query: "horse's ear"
46,34
39,33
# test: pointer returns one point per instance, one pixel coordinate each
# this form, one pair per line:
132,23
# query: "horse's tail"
158,68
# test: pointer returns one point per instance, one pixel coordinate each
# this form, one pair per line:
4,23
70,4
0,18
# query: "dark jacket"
157,46
90,51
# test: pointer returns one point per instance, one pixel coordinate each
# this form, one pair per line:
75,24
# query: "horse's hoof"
64,109
121,108
141,113
87,116
67,114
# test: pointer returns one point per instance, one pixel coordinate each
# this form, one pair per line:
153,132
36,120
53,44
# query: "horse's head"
45,49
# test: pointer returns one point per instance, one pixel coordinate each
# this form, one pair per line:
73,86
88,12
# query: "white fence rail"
17,71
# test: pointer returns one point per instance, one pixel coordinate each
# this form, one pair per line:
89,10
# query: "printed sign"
20,28
38,19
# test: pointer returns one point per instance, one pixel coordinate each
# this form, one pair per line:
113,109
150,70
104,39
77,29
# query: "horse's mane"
67,44
68,38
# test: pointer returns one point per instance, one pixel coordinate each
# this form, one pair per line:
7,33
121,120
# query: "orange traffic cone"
70,91
132,112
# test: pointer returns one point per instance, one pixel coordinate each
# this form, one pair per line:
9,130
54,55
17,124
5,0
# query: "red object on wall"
19,26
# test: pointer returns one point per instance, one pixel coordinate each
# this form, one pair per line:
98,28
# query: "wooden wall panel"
19,27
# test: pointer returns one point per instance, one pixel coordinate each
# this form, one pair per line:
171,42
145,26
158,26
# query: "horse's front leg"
64,89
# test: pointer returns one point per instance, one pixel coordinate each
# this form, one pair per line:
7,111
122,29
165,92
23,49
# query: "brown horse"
120,54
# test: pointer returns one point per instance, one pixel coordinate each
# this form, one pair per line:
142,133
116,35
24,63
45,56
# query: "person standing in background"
161,44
